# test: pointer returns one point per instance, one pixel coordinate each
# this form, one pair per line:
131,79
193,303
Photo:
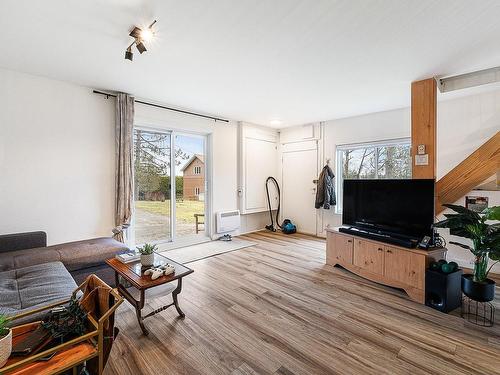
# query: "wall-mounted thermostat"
422,159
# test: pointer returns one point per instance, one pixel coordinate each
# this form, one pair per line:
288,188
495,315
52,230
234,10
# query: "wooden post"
423,126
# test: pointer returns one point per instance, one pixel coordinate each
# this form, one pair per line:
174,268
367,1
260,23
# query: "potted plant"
5,340
147,254
483,229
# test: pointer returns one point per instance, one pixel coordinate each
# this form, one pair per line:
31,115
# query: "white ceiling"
297,61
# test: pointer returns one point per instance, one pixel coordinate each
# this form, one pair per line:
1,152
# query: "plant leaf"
463,211
461,245
492,213
495,255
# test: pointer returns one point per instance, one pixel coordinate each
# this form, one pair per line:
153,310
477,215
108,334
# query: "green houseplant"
5,340
147,254
483,229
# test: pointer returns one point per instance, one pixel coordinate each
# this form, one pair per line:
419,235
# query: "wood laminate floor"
276,308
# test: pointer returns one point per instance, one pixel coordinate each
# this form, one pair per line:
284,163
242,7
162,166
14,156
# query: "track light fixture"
140,36
129,55
141,47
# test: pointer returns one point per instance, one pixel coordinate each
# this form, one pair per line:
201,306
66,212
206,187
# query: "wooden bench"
196,218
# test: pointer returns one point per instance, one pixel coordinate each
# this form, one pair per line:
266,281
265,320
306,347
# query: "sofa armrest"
21,241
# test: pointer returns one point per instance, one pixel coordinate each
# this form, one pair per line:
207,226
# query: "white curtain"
124,176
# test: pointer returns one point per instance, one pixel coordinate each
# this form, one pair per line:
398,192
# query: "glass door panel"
190,175
152,190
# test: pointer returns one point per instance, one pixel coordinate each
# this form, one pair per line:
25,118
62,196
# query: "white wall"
464,124
56,158
373,127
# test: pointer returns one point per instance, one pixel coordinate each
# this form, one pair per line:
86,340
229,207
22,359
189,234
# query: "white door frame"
297,147
207,150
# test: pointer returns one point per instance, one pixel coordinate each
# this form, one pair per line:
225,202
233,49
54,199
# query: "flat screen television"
395,207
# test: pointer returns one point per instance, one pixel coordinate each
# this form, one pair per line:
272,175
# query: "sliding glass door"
190,179
152,194
159,155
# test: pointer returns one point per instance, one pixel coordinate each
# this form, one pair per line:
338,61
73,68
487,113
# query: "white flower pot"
5,348
147,260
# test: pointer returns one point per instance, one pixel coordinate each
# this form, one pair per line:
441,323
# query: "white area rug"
204,250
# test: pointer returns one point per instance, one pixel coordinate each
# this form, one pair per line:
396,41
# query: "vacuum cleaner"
287,226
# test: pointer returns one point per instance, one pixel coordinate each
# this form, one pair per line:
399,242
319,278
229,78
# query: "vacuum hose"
271,226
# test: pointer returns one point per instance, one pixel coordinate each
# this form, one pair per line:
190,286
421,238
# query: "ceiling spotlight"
140,36
147,34
135,33
140,47
129,55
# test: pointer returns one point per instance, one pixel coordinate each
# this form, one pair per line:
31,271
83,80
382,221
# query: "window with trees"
388,159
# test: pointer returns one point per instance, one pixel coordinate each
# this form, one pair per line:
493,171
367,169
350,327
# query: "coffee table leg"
141,322
138,305
175,293
138,311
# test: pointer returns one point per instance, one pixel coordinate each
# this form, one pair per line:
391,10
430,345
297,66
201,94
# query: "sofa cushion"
20,241
24,258
74,255
35,286
89,253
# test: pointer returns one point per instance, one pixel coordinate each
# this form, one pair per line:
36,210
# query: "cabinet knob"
389,251
380,249
349,241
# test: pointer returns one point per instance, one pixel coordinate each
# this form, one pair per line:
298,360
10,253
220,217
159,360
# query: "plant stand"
479,313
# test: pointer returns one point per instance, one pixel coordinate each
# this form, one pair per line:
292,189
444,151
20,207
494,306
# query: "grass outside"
185,210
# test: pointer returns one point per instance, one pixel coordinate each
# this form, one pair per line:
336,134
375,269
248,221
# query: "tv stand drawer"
339,249
386,264
369,256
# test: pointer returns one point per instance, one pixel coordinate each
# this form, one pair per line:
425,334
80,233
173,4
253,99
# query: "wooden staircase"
479,166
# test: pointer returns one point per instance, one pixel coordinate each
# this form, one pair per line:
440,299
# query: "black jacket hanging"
325,193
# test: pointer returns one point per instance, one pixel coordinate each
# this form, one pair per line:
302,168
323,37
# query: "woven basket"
5,348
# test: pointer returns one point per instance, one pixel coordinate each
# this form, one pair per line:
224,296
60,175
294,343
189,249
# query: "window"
387,159
197,190
197,170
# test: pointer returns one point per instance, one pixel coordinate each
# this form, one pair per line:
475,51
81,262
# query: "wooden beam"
477,167
423,125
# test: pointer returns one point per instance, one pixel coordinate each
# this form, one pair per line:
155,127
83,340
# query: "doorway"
170,189
299,171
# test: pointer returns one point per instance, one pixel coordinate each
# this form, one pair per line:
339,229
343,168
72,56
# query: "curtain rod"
164,107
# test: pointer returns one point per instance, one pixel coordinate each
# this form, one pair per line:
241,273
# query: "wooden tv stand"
383,263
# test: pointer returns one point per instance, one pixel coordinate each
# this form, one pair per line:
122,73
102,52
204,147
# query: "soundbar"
383,237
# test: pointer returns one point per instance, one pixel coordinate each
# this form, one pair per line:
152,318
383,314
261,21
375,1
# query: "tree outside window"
387,160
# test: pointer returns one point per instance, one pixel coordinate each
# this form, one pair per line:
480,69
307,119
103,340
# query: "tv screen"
400,207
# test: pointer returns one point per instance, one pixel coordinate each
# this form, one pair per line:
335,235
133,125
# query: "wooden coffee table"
135,293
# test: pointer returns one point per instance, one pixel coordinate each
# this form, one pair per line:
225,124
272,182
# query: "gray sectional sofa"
33,274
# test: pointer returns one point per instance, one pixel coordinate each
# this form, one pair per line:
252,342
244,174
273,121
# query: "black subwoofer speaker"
443,291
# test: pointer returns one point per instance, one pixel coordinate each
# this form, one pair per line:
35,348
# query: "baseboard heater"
228,221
